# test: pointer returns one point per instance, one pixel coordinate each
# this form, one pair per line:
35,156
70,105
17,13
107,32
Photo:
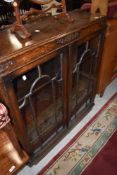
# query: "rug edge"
44,169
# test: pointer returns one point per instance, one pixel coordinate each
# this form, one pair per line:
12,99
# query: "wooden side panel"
109,56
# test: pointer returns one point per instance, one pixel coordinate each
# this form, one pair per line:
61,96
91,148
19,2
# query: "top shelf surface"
43,29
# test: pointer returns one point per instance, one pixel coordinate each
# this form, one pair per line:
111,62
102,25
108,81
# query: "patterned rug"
78,154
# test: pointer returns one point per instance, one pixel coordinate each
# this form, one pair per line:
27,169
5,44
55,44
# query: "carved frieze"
68,38
6,65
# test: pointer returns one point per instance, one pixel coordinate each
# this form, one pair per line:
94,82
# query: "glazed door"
83,66
40,95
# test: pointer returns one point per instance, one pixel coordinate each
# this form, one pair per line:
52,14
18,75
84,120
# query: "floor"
99,102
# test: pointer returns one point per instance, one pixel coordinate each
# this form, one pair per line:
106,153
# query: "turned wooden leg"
64,12
18,26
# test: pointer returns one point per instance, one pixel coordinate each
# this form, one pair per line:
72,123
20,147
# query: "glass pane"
40,97
84,66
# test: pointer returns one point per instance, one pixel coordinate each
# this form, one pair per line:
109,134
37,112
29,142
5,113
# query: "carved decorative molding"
6,65
68,38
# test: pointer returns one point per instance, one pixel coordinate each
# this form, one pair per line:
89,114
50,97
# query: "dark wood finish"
108,69
6,9
51,77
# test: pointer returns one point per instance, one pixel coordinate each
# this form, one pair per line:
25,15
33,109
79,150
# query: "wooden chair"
112,8
47,6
